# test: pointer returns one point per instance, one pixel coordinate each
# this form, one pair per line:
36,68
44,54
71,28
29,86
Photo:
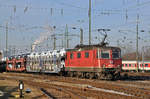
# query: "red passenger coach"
131,65
93,61
17,64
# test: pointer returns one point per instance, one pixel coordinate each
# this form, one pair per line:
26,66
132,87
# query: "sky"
29,20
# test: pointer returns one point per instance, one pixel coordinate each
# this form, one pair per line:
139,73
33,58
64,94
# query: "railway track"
74,88
50,96
66,93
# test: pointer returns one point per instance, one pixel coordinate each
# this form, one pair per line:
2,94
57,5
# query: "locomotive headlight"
111,62
104,65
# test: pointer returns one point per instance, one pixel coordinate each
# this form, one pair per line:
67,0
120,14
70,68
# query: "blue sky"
25,27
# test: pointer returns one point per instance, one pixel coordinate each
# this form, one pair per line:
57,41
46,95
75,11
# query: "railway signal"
21,87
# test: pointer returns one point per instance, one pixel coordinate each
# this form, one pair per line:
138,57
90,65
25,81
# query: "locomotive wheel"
98,76
60,74
109,77
91,76
79,75
117,76
102,76
87,75
83,75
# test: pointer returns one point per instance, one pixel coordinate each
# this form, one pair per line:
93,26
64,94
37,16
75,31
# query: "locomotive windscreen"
115,54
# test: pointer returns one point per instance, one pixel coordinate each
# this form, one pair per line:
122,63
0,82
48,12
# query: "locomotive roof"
90,47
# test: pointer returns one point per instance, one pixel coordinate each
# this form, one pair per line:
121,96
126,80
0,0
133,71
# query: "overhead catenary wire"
40,8
51,10
74,6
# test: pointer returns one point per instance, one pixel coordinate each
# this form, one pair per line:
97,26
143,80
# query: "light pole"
137,43
89,22
6,39
81,35
54,39
66,42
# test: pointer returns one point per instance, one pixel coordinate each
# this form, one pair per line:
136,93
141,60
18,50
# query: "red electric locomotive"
94,61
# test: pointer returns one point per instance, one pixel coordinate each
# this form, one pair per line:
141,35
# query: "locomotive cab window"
115,54
79,55
105,54
86,54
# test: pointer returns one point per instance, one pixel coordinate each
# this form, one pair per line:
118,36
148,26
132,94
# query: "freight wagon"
46,62
16,63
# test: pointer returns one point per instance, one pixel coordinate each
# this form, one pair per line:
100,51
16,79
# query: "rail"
47,93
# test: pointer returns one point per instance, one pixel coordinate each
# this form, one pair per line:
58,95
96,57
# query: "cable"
118,10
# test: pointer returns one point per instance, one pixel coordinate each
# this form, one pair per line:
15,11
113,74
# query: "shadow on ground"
7,90
127,77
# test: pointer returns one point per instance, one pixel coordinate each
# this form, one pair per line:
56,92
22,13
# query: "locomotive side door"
97,61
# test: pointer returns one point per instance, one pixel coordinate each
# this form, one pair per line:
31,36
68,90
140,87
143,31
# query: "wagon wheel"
60,73
62,64
70,74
